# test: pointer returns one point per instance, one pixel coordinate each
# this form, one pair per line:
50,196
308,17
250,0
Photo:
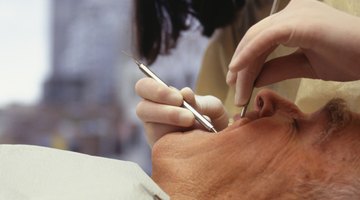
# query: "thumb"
295,65
213,108
209,106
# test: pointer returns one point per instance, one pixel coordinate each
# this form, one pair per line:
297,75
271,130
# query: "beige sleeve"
313,94
212,75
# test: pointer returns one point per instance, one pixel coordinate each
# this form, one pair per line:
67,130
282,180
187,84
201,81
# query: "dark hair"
160,22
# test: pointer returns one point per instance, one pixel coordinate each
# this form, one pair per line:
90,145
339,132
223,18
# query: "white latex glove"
327,39
161,111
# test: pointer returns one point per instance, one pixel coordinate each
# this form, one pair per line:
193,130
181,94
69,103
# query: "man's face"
275,152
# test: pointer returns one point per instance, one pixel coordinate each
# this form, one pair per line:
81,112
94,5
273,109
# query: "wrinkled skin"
273,153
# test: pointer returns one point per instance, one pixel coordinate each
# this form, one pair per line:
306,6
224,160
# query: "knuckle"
251,30
232,65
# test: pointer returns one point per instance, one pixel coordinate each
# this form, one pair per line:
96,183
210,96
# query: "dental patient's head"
275,152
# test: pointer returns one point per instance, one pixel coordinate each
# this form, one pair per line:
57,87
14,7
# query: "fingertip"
240,100
188,95
238,62
243,88
186,118
139,84
234,65
186,91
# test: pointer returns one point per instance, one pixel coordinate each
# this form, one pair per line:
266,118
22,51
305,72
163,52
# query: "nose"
268,103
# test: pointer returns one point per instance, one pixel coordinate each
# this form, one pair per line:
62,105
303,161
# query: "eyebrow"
338,116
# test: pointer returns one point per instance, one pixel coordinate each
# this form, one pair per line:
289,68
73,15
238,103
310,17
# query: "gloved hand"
161,111
328,43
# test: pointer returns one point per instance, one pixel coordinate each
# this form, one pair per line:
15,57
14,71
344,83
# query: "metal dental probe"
274,8
200,118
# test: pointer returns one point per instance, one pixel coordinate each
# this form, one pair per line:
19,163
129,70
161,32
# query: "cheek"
261,140
312,132
269,127
252,152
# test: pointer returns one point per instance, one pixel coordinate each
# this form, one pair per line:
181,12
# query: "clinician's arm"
328,43
161,113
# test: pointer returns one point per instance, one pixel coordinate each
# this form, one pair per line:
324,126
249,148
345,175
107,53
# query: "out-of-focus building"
79,110
86,43
89,101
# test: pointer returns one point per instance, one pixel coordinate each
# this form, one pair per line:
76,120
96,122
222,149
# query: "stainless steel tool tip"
130,56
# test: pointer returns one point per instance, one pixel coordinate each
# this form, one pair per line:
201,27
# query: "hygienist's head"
275,152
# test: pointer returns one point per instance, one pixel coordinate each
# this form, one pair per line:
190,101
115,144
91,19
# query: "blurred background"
64,82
